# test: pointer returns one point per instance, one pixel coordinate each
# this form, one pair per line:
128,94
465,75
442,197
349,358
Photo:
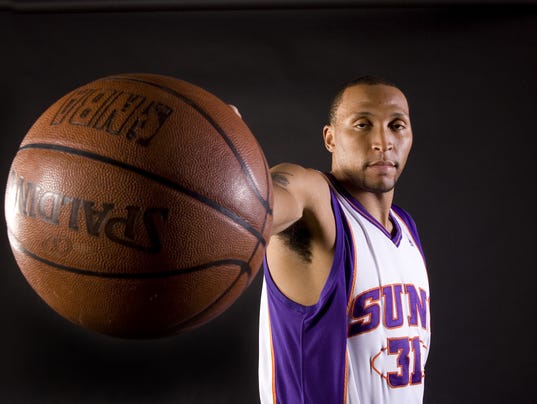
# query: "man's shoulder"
299,171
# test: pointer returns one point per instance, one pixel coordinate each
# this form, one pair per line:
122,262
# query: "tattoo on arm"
280,178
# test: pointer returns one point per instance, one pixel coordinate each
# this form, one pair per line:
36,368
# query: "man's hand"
235,109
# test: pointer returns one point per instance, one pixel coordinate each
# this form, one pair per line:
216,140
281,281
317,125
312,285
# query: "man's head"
363,80
369,134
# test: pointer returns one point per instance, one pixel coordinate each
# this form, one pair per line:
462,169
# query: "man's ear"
328,135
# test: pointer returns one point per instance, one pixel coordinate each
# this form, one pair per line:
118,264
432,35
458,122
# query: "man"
345,302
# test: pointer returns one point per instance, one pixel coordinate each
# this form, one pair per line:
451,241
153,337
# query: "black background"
469,72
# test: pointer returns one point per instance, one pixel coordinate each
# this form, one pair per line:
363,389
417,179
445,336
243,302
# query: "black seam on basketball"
263,226
15,243
250,260
255,248
220,131
154,177
270,190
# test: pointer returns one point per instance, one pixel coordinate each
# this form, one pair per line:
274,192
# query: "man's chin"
380,188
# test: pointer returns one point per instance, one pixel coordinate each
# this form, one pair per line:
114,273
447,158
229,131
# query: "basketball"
139,206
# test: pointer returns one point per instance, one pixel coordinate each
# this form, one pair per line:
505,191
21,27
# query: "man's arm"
300,251
289,195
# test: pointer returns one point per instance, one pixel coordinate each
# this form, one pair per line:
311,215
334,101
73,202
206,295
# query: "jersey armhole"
341,252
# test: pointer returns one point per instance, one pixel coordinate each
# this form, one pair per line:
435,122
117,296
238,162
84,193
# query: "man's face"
370,137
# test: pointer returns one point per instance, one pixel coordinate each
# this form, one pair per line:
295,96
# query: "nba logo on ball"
139,206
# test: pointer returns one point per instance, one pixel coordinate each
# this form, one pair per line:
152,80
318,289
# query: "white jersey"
367,339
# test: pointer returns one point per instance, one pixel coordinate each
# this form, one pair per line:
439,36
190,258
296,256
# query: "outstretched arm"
290,197
300,251
295,189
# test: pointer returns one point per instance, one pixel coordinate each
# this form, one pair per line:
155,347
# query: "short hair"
364,80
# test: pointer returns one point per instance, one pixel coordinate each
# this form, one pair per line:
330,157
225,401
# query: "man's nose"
382,140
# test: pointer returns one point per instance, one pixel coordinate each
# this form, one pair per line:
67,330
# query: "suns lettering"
387,305
366,312
418,306
393,309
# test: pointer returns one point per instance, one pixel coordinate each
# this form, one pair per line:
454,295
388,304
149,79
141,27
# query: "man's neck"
378,205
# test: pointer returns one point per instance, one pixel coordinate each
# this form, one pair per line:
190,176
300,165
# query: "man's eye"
361,125
397,126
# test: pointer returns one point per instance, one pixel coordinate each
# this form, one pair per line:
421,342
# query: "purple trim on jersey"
397,234
403,214
309,343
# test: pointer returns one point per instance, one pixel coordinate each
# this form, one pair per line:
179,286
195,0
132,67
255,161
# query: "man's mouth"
383,163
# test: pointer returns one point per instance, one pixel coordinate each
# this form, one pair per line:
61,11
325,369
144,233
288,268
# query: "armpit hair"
298,238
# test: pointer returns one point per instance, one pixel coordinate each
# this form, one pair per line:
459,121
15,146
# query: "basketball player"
345,303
